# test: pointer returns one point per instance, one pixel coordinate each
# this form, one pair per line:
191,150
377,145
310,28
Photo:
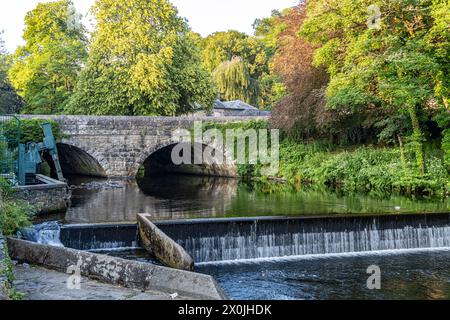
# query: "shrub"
31,130
14,214
366,169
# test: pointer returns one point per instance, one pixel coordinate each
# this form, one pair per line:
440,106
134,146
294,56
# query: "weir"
210,240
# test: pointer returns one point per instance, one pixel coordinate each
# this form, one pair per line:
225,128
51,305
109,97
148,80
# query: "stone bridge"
117,146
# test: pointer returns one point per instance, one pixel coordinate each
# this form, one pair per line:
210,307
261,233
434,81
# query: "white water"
318,241
45,233
324,256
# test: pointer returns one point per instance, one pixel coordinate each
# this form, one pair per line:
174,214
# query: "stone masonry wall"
54,196
122,144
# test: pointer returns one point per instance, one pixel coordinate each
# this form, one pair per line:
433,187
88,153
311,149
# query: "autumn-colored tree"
302,111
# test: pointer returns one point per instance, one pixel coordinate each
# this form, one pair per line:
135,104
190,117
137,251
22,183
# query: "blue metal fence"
9,149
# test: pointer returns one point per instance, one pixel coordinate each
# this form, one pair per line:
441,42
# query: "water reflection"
165,197
182,196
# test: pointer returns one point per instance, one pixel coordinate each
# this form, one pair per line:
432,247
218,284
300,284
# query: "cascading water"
213,240
264,238
45,233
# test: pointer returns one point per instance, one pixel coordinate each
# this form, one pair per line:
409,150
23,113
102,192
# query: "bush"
446,147
14,214
31,130
366,169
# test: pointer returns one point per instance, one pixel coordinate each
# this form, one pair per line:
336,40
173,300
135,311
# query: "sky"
204,16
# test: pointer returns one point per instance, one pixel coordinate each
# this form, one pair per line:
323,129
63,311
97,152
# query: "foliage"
400,66
142,61
271,86
443,120
31,130
10,102
302,110
246,169
224,46
45,69
224,50
234,82
446,147
8,273
14,214
366,169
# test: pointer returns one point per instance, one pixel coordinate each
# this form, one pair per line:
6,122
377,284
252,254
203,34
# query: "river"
405,274
183,196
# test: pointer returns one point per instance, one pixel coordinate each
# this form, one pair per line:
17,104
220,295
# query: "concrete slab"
42,284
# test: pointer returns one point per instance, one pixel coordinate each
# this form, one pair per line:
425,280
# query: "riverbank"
366,169
379,169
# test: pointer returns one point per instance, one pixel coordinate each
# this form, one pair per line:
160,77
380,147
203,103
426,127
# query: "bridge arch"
158,160
77,161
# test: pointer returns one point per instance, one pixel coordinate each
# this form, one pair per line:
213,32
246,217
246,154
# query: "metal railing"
9,149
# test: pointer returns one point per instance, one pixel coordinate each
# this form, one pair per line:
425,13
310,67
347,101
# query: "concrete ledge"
49,197
161,246
117,271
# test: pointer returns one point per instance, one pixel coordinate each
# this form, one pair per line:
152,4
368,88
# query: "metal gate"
9,149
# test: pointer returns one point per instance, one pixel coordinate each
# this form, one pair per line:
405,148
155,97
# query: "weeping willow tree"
234,82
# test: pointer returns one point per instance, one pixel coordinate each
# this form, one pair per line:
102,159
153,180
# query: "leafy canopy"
10,102
45,69
400,62
142,61
234,82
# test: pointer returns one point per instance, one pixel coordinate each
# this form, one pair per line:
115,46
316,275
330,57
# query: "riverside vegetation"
14,214
376,169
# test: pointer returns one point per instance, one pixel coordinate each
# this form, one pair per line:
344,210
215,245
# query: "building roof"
233,105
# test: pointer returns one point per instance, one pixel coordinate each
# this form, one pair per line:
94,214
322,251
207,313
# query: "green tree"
10,102
224,46
398,62
222,50
45,69
234,82
142,61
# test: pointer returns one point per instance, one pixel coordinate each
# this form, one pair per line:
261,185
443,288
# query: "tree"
10,102
45,69
268,31
234,82
142,61
224,46
230,49
301,113
397,63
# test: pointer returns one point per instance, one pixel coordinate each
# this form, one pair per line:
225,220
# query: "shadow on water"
175,196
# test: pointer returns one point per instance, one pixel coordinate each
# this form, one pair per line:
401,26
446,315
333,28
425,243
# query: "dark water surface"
404,275
183,196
